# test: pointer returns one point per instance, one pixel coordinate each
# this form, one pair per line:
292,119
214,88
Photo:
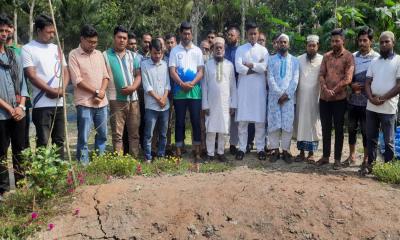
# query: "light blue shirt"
155,77
7,90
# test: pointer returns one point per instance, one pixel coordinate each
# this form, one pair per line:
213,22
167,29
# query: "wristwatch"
22,107
97,92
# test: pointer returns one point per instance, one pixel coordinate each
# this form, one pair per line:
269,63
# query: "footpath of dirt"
268,203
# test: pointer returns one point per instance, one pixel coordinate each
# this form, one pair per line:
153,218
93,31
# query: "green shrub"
112,164
169,164
387,172
45,172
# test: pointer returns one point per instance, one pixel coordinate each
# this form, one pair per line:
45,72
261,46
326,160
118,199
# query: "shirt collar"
82,52
370,53
338,55
390,57
191,45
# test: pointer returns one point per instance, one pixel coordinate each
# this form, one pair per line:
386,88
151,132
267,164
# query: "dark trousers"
385,122
357,118
332,111
28,123
43,118
194,106
251,134
13,132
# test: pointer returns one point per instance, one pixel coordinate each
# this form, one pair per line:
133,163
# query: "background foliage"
159,17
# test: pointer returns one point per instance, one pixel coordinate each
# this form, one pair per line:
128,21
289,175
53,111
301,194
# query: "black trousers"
386,123
357,118
13,132
43,118
332,111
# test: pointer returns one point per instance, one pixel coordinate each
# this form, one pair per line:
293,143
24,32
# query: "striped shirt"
122,74
360,75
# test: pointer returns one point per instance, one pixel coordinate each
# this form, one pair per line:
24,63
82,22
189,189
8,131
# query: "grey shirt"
155,77
7,90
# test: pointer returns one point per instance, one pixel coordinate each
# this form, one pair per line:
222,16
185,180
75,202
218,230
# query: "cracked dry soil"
240,204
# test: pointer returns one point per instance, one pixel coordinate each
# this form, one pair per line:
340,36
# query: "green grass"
387,172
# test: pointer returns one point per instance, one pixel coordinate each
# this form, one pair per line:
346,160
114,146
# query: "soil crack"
97,202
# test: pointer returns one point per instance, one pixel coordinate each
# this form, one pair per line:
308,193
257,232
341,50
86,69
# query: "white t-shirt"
46,60
384,73
187,59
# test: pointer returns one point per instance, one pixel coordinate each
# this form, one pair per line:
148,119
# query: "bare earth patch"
274,201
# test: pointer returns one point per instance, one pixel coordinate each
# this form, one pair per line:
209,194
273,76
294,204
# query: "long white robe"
252,94
218,95
283,77
308,124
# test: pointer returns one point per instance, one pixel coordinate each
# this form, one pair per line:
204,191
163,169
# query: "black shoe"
222,158
261,155
233,150
287,157
210,158
239,155
249,147
275,155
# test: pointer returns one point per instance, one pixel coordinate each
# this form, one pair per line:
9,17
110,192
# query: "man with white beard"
219,99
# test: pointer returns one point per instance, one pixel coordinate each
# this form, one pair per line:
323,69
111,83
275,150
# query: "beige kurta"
307,123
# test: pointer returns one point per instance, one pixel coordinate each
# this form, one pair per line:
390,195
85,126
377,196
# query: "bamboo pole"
63,92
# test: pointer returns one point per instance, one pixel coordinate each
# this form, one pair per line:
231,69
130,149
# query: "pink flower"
76,213
71,190
50,226
139,169
34,215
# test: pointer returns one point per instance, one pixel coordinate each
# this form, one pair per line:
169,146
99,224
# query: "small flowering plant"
45,171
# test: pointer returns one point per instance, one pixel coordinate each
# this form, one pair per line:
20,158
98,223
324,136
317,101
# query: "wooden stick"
63,93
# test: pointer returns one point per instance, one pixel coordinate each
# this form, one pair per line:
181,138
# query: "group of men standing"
228,86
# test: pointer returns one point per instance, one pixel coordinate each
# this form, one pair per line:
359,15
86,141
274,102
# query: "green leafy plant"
112,164
45,172
387,172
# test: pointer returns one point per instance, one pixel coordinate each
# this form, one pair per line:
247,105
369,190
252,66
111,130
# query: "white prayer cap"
283,36
388,34
313,38
219,40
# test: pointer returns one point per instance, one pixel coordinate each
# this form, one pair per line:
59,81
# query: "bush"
45,171
387,172
112,164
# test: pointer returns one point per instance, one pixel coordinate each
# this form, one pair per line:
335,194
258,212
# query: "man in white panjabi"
218,99
251,64
283,76
308,124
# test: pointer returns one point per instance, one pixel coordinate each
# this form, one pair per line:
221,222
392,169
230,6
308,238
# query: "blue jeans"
85,117
386,123
151,117
194,106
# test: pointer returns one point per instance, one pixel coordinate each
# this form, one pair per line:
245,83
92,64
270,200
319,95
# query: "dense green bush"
387,172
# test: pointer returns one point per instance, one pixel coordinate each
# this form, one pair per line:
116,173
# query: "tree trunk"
31,8
15,22
195,19
243,13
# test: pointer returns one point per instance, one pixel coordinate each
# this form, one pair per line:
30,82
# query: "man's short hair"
212,31
366,31
169,36
276,36
4,20
156,44
251,25
337,32
120,28
131,35
147,34
234,28
43,21
185,26
88,31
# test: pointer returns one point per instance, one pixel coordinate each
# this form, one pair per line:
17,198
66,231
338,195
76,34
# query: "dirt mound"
241,204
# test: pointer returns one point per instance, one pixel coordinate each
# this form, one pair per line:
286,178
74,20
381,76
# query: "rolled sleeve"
75,72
